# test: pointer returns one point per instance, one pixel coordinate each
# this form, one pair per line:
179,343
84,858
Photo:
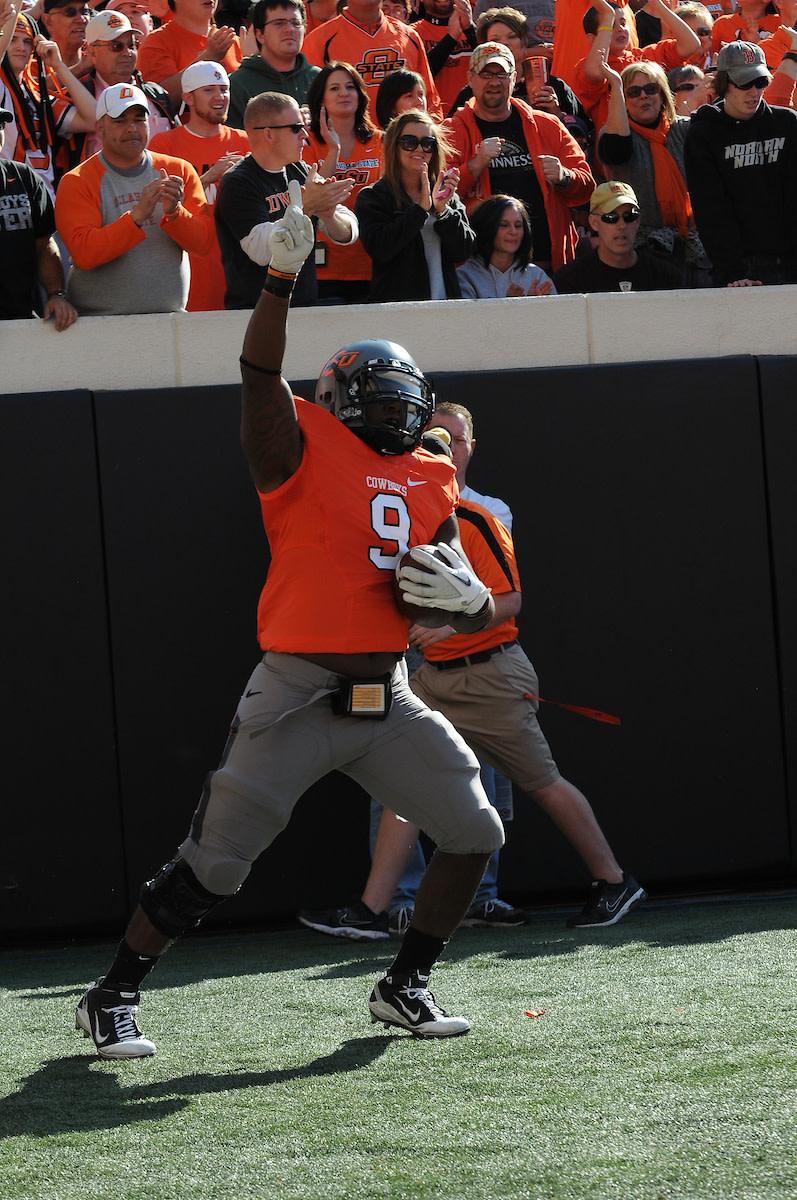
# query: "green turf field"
664,1066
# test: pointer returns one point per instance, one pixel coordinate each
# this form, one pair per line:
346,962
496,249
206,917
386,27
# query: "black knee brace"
175,900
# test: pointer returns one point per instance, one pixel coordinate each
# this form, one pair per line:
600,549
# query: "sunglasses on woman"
613,217
635,91
408,141
759,83
686,87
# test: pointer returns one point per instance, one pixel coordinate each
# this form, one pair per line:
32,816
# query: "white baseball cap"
203,74
106,26
116,100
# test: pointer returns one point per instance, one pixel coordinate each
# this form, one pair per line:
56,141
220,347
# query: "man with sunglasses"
278,27
112,48
64,22
615,265
253,195
741,169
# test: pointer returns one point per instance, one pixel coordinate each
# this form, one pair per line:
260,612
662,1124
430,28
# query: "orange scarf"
671,194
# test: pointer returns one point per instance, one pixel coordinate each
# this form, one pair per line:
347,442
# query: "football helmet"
383,373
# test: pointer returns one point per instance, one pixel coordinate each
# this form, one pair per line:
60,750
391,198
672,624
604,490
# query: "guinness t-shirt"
512,173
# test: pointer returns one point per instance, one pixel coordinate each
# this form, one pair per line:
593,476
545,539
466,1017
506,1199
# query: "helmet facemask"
383,399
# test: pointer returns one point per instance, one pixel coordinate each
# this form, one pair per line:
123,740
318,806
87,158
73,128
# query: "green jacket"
255,76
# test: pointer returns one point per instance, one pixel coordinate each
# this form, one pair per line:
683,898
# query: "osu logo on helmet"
381,374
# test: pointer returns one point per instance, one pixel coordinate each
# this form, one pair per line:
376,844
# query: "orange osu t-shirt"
337,529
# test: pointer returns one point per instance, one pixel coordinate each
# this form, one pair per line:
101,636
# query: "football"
431,618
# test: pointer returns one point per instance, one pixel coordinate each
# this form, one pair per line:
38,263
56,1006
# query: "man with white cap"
615,265
503,145
741,169
112,46
190,36
212,148
128,217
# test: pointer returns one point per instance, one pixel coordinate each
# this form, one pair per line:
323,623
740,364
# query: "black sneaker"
400,919
355,921
609,902
493,912
405,1000
110,1018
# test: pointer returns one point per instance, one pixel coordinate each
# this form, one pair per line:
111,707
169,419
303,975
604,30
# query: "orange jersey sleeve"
78,219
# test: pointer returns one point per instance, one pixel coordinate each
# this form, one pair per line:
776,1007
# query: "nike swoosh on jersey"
416,482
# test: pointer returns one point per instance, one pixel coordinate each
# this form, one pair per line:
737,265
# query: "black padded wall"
641,531
61,850
650,521
187,558
779,420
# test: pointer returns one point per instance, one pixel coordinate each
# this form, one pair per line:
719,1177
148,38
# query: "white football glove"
452,586
292,237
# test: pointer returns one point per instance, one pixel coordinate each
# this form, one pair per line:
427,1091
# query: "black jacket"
392,237
742,179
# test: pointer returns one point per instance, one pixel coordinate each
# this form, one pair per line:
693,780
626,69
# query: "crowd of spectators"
444,150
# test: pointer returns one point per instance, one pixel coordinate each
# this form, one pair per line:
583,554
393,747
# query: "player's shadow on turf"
68,1095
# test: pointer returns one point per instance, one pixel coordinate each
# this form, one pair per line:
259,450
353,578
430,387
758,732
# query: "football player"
344,491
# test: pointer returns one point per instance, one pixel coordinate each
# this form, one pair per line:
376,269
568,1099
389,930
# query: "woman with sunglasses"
502,263
347,144
412,223
642,144
690,88
46,99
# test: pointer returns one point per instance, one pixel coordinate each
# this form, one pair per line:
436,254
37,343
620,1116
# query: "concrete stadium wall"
201,349
654,526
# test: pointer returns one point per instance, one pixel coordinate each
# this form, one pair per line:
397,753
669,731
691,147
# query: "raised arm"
617,116
601,41
85,104
270,433
9,11
687,42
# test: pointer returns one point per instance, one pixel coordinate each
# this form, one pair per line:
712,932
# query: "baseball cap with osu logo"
116,100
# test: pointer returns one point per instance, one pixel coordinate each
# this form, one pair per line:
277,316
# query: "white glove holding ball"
441,580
